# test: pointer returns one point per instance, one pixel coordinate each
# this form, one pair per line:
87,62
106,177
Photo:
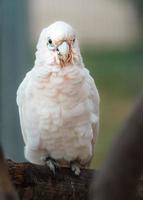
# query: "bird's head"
58,45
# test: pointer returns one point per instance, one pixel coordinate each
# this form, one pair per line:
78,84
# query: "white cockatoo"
59,103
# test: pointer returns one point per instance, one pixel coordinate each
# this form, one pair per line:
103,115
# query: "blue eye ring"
50,44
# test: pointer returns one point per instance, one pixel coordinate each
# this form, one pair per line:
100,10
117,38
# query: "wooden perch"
38,183
34,182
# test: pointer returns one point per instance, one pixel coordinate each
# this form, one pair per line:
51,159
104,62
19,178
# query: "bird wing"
94,100
21,102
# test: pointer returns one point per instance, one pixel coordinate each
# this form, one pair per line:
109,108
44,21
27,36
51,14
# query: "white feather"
59,111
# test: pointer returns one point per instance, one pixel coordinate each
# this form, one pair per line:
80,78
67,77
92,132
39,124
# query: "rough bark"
34,182
38,183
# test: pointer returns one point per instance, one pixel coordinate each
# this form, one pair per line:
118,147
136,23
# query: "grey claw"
51,163
75,168
51,166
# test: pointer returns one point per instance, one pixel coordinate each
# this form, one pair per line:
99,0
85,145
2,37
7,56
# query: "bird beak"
63,51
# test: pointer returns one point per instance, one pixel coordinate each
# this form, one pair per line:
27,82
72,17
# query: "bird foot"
75,168
51,163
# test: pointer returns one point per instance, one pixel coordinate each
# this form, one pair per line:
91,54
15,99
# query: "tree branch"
34,182
37,182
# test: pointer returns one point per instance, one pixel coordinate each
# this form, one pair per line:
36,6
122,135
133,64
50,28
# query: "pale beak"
63,50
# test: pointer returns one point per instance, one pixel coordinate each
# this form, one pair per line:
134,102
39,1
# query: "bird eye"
50,44
50,41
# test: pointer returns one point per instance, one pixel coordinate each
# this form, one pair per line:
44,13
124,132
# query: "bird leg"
75,168
51,163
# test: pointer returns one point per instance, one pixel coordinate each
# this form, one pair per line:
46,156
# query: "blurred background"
110,34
